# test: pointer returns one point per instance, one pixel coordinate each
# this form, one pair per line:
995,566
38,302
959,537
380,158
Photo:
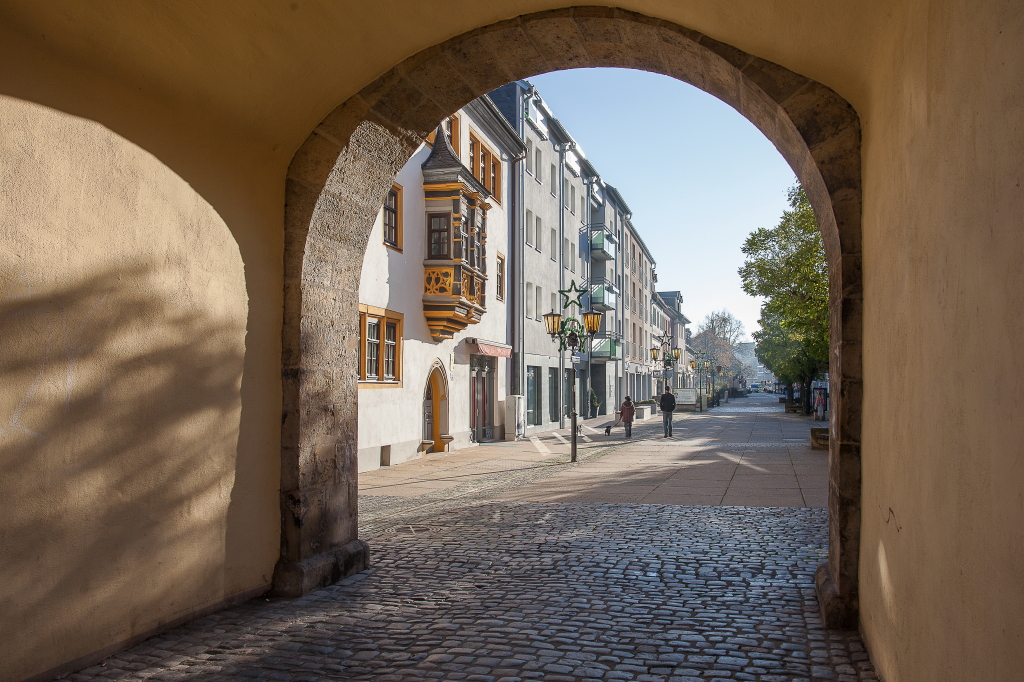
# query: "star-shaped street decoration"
572,296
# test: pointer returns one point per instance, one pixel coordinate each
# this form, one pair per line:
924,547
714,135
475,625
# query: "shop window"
553,394
533,396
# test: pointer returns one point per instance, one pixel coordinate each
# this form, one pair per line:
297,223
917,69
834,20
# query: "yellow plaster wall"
123,313
223,94
942,569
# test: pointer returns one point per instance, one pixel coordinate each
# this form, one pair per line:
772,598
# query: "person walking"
626,412
668,405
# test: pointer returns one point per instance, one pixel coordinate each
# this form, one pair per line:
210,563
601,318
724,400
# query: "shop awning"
497,350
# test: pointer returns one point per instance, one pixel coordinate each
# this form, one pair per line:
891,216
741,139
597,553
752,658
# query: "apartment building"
672,323
572,226
546,254
434,294
639,327
607,212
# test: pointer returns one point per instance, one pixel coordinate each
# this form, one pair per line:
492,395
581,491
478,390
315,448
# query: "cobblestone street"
495,572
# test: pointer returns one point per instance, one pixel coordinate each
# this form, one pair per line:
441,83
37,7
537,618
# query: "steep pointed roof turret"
443,165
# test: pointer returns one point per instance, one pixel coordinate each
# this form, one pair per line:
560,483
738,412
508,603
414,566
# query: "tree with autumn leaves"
786,265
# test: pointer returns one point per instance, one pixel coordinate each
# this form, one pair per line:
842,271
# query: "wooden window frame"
499,279
448,232
485,164
397,244
383,317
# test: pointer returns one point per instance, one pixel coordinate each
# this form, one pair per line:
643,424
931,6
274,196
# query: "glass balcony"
602,246
603,296
604,350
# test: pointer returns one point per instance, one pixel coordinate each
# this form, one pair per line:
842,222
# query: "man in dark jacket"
668,405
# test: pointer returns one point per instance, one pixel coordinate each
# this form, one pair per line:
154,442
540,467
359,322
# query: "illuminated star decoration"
572,296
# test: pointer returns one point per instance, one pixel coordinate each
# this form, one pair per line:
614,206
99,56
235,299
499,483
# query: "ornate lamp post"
571,334
669,356
702,365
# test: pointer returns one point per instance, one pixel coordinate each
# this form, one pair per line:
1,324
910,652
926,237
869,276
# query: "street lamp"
669,356
571,335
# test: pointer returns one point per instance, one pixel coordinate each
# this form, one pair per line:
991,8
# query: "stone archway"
336,184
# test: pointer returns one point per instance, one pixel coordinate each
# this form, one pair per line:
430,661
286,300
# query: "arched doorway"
435,410
338,179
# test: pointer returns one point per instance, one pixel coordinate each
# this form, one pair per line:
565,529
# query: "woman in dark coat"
626,412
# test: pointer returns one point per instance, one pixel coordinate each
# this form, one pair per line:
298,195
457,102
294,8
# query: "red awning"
496,351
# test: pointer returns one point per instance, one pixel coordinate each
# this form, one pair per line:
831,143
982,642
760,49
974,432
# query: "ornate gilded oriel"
455,267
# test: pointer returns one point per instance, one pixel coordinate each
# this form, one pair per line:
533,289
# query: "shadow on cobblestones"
561,592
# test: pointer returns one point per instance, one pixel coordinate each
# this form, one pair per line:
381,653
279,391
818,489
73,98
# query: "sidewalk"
744,453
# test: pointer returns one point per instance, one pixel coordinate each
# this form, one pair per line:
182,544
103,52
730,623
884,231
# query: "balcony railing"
602,246
607,334
604,350
603,295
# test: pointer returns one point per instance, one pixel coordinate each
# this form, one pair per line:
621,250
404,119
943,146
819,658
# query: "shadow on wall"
118,434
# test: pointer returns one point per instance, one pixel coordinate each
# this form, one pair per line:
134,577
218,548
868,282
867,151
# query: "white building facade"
434,295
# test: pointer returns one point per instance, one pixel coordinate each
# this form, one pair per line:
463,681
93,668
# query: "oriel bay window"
455,257
380,347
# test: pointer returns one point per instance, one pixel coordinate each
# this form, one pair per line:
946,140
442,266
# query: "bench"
794,407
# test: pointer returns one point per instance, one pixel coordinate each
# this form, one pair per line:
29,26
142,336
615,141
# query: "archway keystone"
337,182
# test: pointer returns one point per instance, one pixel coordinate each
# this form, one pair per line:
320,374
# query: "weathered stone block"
683,58
777,81
513,48
478,64
443,84
296,578
314,160
559,40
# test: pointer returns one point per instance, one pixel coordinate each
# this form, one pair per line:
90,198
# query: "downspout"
562,149
586,277
517,265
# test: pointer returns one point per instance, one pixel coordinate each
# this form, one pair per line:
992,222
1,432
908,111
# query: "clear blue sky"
698,176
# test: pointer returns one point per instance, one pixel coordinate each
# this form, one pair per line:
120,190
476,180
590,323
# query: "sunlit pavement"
747,452
478,580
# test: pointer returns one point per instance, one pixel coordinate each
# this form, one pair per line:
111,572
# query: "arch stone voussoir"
337,182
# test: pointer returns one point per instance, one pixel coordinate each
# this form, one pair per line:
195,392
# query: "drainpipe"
516,267
562,149
589,380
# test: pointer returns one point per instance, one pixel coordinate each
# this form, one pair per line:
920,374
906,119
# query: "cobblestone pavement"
466,587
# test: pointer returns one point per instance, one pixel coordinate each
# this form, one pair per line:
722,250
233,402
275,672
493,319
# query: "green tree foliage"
786,265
